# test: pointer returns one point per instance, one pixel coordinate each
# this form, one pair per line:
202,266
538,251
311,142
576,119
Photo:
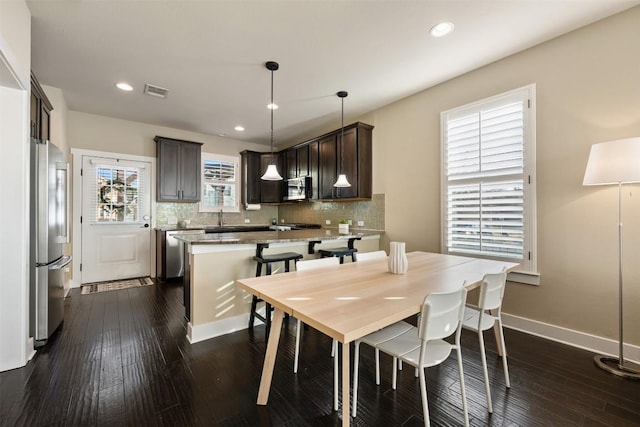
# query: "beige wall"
588,91
100,133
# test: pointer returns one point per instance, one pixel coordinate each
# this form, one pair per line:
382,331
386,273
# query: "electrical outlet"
350,222
327,222
247,220
360,223
282,221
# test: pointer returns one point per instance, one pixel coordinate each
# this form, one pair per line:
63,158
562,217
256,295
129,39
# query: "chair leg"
423,395
504,355
335,377
254,303
267,316
297,350
462,388
377,352
485,371
394,376
356,366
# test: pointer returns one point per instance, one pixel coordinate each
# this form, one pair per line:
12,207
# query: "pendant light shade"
272,170
342,181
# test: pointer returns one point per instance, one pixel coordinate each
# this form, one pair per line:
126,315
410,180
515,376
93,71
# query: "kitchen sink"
236,228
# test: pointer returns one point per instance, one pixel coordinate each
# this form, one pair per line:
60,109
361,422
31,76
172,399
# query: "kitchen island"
214,305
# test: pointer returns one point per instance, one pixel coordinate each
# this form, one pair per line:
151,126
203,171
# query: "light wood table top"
352,300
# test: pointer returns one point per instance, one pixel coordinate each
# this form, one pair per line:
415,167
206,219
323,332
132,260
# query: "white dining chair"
424,346
480,319
312,264
370,256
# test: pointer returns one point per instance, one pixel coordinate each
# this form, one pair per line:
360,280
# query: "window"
115,191
220,180
488,187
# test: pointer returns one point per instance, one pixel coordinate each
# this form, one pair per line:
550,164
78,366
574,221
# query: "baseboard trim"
571,337
215,329
548,331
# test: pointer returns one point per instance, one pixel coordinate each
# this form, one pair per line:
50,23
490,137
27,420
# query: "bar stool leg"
254,303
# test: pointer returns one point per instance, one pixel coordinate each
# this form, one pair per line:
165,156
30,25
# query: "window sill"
526,277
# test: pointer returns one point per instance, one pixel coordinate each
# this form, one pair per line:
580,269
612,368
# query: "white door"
116,219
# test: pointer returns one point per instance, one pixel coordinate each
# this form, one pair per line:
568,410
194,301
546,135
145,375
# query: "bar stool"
261,259
342,251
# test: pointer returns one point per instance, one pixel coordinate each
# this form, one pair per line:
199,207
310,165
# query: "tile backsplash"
190,212
370,212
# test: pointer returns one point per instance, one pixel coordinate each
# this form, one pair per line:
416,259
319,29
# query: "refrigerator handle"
64,168
64,261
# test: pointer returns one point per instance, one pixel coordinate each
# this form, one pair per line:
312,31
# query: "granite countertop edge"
254,237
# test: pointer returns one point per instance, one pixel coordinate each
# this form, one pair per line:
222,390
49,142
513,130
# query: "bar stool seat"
267,260
341,252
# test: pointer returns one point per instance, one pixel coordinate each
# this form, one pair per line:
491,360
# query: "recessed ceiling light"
239,128
272,106
124,86
441,29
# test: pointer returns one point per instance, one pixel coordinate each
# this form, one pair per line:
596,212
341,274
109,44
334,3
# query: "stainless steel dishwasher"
174,253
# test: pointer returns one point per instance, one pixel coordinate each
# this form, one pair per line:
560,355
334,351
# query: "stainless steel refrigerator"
49,232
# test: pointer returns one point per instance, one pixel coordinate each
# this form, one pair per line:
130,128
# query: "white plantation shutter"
220,179
485,149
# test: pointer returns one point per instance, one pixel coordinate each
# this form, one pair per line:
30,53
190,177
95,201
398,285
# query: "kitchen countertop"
254,237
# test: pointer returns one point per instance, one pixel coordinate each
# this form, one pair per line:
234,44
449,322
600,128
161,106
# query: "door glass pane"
117,194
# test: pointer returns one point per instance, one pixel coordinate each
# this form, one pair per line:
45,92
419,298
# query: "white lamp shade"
342,181
613,162
271,174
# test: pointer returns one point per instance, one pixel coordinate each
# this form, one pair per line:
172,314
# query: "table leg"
270,356
346,386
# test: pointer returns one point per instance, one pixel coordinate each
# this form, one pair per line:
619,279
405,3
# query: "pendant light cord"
272,116
342,140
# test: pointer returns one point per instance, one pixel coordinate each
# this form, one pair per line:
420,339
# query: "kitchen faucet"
220,219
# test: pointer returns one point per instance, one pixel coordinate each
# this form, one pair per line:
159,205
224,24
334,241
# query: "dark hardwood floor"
121,358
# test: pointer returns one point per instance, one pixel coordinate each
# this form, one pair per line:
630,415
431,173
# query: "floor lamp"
615,162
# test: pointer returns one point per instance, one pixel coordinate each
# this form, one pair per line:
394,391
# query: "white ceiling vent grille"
156,91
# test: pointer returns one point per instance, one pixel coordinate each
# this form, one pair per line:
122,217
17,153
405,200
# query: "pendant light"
272,171
342,178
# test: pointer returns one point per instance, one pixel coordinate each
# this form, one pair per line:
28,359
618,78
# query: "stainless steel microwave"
298,188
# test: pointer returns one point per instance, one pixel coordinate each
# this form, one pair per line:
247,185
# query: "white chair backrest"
368,256
442,314
492,291
310,264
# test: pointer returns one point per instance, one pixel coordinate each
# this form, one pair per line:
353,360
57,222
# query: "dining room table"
349,301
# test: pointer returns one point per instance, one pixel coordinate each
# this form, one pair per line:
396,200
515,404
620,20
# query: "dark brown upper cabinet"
321,158
254,189
179,166
40,112
296,162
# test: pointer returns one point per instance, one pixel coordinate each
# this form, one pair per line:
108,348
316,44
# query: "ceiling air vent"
156,91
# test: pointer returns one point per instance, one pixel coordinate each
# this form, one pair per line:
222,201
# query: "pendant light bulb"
342,181
271,173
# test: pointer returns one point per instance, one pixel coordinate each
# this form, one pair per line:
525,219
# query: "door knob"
146,226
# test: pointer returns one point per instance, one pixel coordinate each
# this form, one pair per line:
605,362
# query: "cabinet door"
270,191
44,124
327,160
314,171
35,108
348,163
303,160
291,164
190,164
251,177
168,171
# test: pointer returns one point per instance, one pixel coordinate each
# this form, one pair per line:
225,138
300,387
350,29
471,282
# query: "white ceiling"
211,55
